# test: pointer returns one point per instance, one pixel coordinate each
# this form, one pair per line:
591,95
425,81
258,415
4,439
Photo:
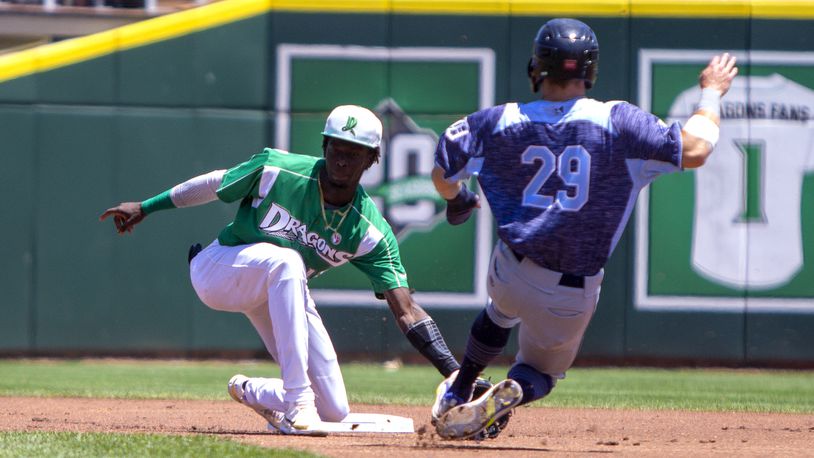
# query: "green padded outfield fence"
127,113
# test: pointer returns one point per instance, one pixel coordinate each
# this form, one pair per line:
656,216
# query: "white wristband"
704,128
710,101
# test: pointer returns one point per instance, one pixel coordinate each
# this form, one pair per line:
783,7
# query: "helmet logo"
350,125
569,64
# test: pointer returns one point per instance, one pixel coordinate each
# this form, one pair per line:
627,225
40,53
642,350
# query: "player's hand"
719,73
125,216
461,206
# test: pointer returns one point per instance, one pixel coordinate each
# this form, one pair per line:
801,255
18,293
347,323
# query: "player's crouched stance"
299,216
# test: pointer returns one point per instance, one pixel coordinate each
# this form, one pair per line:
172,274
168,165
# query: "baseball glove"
490,432
461,206
193,251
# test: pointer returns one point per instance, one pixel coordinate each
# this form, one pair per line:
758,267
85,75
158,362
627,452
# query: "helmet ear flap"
591,68
534,75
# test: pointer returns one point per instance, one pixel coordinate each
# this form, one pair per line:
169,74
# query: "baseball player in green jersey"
298,216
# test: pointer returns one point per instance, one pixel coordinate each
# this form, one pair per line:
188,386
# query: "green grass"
39,444
685,389
628,388
132,379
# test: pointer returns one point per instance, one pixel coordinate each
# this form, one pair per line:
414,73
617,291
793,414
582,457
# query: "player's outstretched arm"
125,216
701,132
404,308
195,191
421,330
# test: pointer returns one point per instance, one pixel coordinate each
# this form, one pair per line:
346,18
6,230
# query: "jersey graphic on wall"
736,233
417,93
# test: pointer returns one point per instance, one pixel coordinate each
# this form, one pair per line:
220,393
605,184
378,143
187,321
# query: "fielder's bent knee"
334,412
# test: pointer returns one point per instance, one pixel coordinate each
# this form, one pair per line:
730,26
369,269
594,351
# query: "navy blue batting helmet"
564,49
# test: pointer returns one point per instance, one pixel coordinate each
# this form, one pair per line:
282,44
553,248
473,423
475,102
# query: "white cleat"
467,420
237,387
302,420
237,390
444,401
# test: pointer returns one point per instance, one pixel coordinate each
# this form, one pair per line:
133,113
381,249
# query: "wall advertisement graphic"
738,233
417,92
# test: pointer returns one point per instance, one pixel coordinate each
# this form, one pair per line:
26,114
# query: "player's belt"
571,281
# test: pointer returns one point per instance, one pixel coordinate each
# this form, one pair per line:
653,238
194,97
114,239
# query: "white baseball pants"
268,284
553,318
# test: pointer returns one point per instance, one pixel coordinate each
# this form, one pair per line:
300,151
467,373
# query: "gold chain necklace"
333,215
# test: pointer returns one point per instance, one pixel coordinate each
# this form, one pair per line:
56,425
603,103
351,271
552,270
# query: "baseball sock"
486,341
535,384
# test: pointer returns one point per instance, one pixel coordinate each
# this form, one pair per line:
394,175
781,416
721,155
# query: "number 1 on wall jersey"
753,174
574,168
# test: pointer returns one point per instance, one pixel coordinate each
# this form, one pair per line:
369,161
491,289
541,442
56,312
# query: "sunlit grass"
686,389
82,445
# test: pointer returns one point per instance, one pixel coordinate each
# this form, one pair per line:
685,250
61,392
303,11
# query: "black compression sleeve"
427,339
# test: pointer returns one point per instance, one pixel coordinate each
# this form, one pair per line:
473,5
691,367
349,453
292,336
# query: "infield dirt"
534,431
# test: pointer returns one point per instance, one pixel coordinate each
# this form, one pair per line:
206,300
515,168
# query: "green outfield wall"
716,265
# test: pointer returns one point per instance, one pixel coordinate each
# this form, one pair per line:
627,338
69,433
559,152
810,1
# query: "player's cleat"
483,385
237,390
467,420
444,399
444,404
274,417
494,430
303,420
237,387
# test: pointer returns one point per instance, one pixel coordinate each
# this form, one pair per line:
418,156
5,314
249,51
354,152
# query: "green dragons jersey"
281,204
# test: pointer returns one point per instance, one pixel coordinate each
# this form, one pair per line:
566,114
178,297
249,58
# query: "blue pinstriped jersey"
561,178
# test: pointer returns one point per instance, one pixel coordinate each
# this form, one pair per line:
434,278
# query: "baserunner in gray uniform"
298,216
561,176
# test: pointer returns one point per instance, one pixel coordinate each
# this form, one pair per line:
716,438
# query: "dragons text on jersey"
281,204
279,223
